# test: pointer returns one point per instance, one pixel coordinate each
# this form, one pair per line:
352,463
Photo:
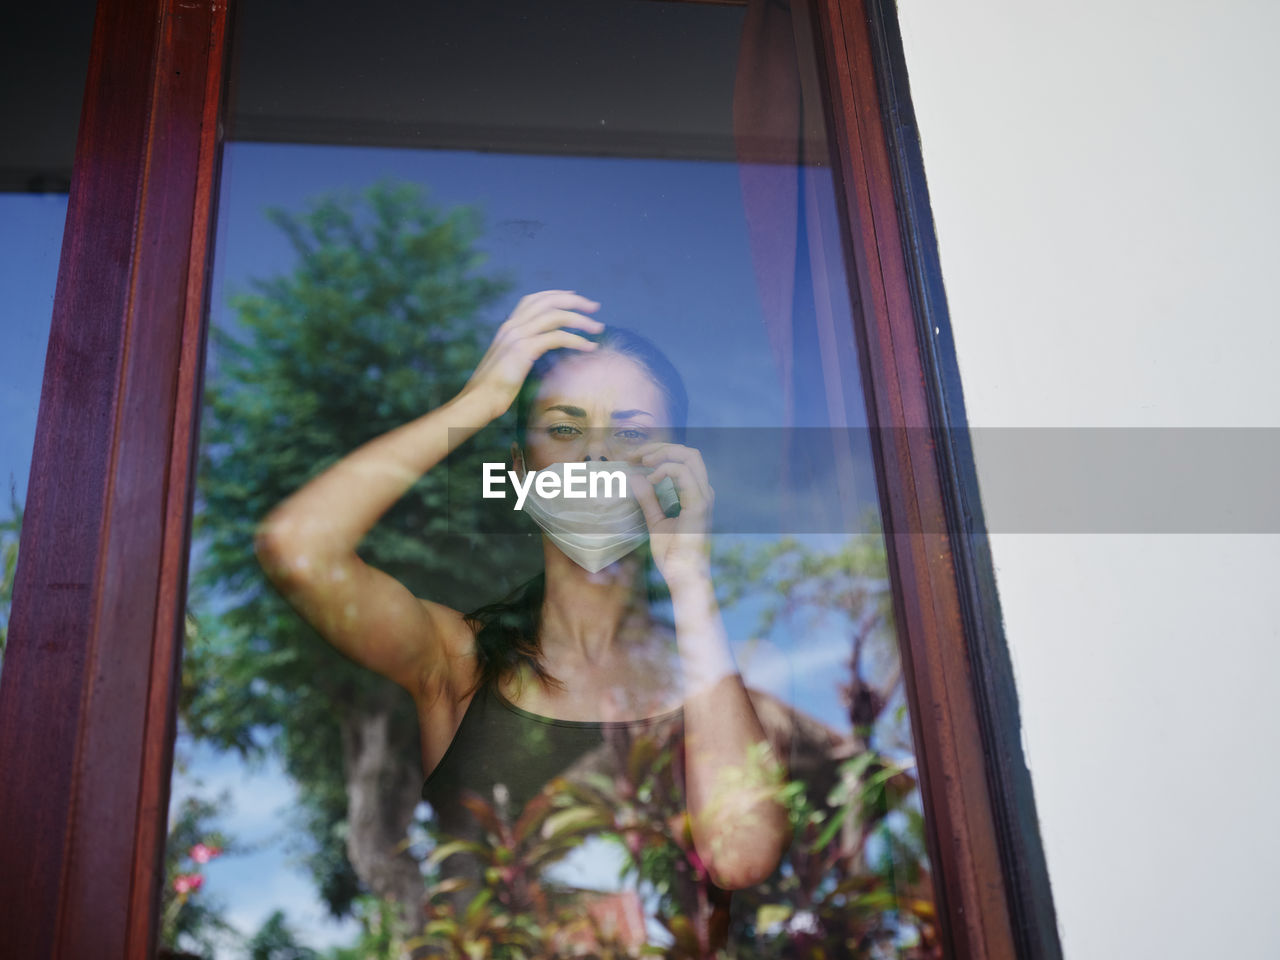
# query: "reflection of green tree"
856,880
377,323
276,941
10,534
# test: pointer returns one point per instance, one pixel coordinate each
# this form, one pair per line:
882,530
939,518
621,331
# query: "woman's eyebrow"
579,412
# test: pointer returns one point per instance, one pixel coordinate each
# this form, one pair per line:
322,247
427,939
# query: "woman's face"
602,405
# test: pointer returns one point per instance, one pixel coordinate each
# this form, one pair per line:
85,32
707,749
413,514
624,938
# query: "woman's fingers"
555,339
554,318
657,452
531,303
534,327
684,536
648,500
661,454
532,306
542,314
694,492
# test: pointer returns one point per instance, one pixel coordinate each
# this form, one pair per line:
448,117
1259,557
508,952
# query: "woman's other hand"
680,544
534,327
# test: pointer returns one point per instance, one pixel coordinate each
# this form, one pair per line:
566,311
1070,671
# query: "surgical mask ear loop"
517,464
517,460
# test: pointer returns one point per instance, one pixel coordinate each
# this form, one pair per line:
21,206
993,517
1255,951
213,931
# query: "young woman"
510,696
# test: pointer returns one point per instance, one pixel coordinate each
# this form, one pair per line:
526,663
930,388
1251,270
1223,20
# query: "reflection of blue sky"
600,863
661,244
263,878
30,244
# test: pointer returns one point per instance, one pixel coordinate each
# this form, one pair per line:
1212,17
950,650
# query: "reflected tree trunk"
383,784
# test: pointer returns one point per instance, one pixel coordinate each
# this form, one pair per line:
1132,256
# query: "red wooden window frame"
88,697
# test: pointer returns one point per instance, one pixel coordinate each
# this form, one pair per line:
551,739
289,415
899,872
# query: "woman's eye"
563,430
633,435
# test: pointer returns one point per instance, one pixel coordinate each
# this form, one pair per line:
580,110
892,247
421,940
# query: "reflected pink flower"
202,853
185,883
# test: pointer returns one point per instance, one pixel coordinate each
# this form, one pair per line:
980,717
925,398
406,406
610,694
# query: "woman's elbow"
751,863
743,872
282,558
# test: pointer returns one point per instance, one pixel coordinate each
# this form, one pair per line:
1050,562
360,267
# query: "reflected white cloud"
252,885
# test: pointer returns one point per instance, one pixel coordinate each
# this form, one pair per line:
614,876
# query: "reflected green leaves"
828,895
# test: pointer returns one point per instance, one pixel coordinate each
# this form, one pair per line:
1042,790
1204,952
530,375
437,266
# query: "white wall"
1104,179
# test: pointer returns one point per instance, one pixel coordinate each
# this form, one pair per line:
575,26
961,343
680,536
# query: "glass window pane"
42,71
681,729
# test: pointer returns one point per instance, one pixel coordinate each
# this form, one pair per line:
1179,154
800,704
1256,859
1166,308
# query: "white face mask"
593,532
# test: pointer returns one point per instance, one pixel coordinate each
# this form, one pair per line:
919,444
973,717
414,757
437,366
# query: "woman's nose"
597,446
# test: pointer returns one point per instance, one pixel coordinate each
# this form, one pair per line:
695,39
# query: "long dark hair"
508,630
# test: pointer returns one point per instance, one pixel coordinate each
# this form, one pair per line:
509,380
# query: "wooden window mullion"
90,677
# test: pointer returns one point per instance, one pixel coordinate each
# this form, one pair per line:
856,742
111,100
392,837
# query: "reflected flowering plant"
203,853
849,885
186,883
195,920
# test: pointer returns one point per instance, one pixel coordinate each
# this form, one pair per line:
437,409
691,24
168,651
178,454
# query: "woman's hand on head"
681,544
534,327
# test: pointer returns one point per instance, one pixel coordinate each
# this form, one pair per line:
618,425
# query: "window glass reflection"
30,241
581,728
40,96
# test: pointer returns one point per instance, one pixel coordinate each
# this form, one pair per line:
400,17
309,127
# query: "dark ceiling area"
614,77
641,78
44,57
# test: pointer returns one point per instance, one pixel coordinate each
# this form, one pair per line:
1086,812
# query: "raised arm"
307,548
733,773
307,544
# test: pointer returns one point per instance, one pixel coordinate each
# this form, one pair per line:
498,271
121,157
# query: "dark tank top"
507,755
499,743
